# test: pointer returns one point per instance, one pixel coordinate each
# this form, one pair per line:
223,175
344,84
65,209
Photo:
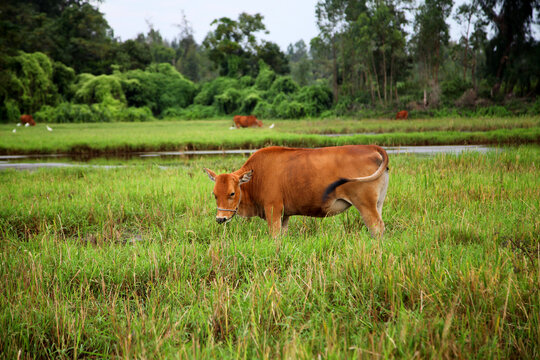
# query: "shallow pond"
29,162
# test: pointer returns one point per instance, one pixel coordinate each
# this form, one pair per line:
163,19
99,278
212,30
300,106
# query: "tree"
330,16
71,31
232,46
431,35
513,42
188,57
470,16
300,63
272,55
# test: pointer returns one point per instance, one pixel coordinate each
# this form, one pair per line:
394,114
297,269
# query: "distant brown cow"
246,121
403,114
28,119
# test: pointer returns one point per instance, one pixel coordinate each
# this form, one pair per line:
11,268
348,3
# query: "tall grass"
129,262
215,134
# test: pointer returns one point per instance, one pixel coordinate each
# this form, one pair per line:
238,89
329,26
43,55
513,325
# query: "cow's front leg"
284,224
273,217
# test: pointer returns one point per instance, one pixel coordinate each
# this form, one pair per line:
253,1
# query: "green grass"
129,262
117,138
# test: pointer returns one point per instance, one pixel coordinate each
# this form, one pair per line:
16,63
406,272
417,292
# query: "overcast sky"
287,20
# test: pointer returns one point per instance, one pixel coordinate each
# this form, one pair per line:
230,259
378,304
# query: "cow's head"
228,193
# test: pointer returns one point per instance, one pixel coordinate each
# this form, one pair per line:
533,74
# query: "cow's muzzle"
224,219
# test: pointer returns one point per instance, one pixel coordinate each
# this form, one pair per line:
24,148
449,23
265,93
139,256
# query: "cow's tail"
377,174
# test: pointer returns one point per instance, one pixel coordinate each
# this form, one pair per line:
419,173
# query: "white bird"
26,125
232,128
14,130
271,126
49,128
19,124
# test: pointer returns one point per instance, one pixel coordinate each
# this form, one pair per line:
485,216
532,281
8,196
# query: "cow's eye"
232,194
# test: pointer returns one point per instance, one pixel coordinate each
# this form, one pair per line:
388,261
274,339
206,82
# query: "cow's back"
299,177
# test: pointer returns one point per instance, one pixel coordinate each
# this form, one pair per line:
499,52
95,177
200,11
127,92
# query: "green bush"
213,88
250,99
229,101
316,98
279,98
534,108
265,78
102,89
247,81
10,112
264,110
78,113
192,112
132,114
495,111
27,84
63,78
291,110
453,89
73,113
284,85
159,87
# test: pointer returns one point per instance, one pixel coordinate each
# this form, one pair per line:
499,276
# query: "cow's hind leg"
367,202
382,192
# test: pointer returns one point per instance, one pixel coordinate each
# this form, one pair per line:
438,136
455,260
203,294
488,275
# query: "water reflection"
28,162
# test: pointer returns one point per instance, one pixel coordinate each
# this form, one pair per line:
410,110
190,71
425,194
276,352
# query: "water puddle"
30,162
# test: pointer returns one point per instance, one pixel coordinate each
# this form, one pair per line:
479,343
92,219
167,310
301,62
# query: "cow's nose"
221,220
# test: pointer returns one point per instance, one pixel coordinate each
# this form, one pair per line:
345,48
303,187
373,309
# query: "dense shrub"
316,98
493,111
229,101
192,112
213,88
73,113
28,85
11,112
250,99
63,78
534,108
264,110
132,114
265,78
78,113
159,87
290,110
453,89
102,89
247,81
284,85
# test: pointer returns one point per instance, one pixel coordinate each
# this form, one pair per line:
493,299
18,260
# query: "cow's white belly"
337,207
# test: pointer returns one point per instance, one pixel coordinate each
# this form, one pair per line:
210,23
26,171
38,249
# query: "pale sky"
288,21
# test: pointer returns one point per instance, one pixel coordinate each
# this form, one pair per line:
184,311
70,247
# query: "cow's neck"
247,208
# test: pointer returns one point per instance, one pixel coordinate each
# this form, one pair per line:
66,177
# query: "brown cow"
277,182
403,114
28,119
246,121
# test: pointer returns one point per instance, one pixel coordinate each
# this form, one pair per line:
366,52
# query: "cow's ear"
211,174
245,177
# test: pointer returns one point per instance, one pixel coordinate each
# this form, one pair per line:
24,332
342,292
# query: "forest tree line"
60,60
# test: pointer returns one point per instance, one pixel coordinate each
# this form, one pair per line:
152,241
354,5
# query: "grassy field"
129,262
117,138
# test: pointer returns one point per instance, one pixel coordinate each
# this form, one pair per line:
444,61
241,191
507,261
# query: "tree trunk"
334,71
376,78
384,75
